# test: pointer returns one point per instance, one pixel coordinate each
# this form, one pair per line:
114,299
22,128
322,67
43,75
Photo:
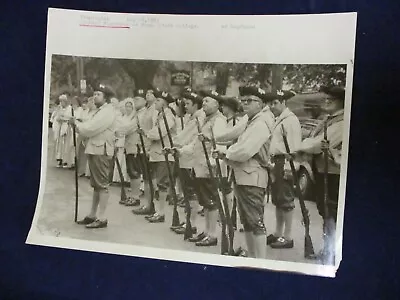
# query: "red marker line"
103,26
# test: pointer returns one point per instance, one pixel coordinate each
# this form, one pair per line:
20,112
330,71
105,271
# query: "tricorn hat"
232,103
212,94
251,90
106,90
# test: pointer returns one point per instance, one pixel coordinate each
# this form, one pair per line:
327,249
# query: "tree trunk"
142,72
222,78
277,77
263,74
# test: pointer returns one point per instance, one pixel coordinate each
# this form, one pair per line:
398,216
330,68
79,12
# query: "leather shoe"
144,210
197,238
176,227
86,220
157,219
271,239
207,241
282,243
97,224
182,230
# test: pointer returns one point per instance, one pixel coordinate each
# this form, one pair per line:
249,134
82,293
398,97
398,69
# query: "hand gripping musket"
147,170
121,176
76,167
188,227
308,244
175,215
224,237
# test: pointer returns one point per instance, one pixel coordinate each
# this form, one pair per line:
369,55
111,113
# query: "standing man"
334,107
100,132
251,175
135,160
206,193
158,167
282,187
193,104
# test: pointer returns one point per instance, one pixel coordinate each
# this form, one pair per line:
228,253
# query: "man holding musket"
205,188
158,167
100,133
134,159
193,105
251,176
334,107
282,190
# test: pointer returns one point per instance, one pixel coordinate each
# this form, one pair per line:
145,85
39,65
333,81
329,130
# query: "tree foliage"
124,75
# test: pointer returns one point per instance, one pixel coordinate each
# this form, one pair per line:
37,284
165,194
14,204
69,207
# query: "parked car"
308,108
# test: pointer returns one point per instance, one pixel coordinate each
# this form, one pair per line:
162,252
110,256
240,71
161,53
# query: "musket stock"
121,176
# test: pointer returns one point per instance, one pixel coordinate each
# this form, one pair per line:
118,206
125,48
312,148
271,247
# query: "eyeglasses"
249,100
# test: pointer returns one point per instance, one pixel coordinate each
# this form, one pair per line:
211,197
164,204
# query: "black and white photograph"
229,162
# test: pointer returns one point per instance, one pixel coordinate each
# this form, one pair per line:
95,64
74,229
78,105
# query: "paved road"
57,213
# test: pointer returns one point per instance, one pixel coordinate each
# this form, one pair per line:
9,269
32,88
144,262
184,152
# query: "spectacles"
249,100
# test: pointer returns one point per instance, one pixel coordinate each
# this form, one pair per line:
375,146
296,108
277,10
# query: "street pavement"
57,219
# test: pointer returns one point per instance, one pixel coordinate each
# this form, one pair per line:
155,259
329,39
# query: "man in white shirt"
282,190
205,188
100,131
158,166
251,175
334,107
193,105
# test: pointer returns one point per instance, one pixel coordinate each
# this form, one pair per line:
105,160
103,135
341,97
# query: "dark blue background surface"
370,260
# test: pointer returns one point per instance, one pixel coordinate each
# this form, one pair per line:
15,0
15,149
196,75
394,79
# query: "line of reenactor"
222,154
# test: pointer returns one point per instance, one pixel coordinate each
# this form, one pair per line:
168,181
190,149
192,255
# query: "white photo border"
325,39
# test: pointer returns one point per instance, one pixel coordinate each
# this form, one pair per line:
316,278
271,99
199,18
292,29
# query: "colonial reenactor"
282,190
99,130
158,167
134,159
251,175
206,193
193,105
334,107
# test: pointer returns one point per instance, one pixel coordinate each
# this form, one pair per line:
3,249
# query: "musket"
121,176
234,201
175,215
224,237
326,208
76,167
326,161
228,219
308,244
188,227
146,166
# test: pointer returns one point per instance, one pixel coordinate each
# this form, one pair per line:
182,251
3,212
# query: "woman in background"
64,135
